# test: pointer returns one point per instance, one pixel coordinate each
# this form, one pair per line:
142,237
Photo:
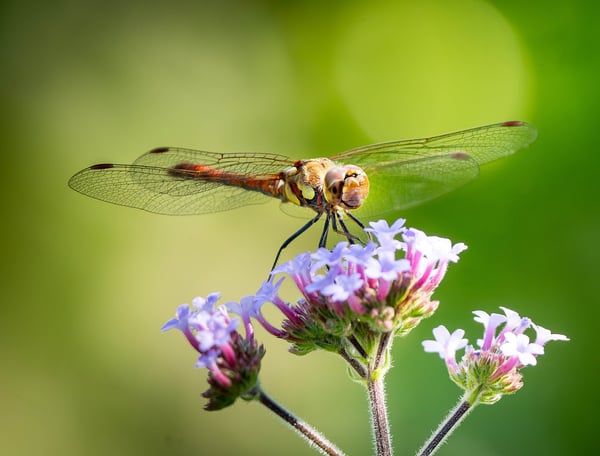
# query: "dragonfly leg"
344,231
359,223
323,240
352,239
289,240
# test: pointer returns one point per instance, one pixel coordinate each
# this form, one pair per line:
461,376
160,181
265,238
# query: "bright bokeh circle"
412,69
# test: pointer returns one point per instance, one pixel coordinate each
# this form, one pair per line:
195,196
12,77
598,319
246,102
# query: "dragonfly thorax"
322,185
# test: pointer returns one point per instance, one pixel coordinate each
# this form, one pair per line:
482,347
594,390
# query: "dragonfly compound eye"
356,187
347,186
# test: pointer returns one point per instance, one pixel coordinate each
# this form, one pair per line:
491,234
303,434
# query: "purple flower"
494,368
386,267
544,335
384,286
490,323
446,344
212,328
514,322
233,363
443,250
299,269
361,254
429,256
180,321
325,258
208,359
386,235
205,327
342,287
251,307
517,346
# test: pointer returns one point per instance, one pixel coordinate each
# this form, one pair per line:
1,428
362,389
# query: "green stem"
310,434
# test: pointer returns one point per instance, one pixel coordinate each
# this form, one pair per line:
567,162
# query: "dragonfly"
358,184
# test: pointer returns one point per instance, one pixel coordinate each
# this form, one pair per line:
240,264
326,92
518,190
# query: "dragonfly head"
346,186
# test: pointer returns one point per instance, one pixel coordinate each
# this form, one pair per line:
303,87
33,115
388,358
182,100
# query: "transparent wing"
407,173
417,180
245,164
154,184
483,144
401,173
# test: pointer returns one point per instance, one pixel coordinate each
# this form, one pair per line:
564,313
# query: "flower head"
233,362
446,344
494,368
382,286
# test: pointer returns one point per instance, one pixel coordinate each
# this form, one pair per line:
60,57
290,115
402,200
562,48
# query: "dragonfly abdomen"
271,185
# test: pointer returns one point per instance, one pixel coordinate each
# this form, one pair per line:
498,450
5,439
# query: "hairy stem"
446,427
383,348
379,419
311,435
358,367
358,347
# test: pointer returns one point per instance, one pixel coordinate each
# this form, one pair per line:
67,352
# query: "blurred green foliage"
87,285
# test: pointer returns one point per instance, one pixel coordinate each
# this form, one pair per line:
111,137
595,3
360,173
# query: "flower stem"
358,347
446,427
379,420
359,368
312,436
382,351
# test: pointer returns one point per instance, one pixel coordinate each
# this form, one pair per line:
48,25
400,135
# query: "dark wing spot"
159,150
461,156
513,123
102,166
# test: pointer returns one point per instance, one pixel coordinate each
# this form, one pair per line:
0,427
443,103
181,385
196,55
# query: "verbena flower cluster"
352,290
233,361
492,369
349,295
353,300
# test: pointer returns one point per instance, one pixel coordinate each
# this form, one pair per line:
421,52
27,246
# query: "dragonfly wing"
482,144
414,179
293,210
150,183
245,164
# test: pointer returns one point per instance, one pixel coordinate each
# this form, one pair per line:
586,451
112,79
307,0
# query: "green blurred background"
87,285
